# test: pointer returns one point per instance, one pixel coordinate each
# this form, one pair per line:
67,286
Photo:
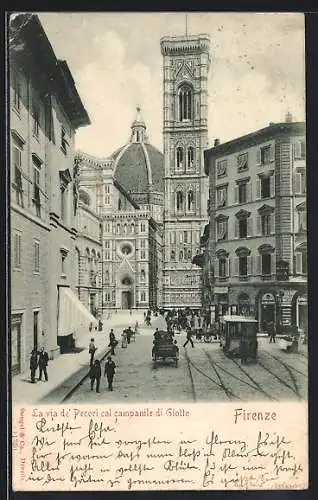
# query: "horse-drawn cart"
164,348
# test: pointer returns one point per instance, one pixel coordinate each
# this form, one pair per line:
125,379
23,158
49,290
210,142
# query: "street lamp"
279,297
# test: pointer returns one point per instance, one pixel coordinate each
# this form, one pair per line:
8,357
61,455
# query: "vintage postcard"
158,325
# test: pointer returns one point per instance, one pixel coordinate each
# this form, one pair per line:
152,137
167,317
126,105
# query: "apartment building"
255,260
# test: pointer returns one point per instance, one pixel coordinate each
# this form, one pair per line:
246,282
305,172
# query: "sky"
257,70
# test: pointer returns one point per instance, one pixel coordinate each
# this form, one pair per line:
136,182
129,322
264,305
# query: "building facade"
255,259
186,62
130,239
45,111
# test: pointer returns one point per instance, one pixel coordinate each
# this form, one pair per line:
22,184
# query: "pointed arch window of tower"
190,158
185,103
179,201
190,201
179,158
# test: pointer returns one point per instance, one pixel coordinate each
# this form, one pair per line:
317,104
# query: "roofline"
124,192
30,30
254,137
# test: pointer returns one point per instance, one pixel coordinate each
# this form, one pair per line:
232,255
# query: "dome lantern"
138,128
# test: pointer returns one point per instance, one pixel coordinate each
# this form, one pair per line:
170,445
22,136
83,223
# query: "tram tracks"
219,382
289,369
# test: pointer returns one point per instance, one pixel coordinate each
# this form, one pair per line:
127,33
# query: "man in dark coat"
33,364
43,362
110,372
112,341
271,332
189,338
243,350
92,349
95,374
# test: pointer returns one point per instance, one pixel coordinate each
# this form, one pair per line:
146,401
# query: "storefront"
266,310
221,301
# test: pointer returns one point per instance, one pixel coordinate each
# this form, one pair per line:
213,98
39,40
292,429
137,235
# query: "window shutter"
236,194
272,185
272,153
272,223
236,266
273,263
258,188
258,270
298,263
236,228
298,179
249,191
227,268
249,226
249,265
258,156
297,150
258,225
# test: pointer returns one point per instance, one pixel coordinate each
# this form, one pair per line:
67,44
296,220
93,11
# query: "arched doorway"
127,292
300,311
266,310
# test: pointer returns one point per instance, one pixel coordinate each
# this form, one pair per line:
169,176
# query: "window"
119,204
172,255
181,255
302,220
126,249
125,228
299,149
63,191
266,264
190,203
222,267
142,296
179,201
221,196
16,92
16,247
36,257
242,162
242,228
266,224
301,259
64,142
106,276
185,237
36,190
63,263
242,192
189,254
142,254
264,155
142,276
243,265
36,120
179,158
222,229
300,181
265,187
142,244
190,158
107,194
221,168
173,237
142,227
16,157
185,103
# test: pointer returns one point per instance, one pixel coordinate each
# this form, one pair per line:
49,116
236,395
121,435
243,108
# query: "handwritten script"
158,448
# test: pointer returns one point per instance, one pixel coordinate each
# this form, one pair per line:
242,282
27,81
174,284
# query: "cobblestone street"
203,374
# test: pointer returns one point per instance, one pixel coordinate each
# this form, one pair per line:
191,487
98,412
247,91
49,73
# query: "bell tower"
186,61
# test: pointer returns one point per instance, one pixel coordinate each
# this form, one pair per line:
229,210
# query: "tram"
237,329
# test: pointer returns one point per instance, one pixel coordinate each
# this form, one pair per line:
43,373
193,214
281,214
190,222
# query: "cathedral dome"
139,166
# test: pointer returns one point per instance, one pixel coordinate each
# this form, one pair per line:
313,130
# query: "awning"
220,289
73,318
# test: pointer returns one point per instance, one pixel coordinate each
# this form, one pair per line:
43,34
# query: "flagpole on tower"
186,25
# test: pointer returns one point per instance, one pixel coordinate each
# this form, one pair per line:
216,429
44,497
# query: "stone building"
186,62
45,111
256,242
130,239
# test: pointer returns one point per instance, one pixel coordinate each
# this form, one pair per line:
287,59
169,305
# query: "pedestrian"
95,374
43,362
100,325
110,372
271,332
33,364
112,342
189,338
129,334
92,349
124,339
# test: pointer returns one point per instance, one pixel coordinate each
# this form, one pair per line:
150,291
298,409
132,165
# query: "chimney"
289,117
216,142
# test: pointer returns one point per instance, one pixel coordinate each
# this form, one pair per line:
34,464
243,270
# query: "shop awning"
74,318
